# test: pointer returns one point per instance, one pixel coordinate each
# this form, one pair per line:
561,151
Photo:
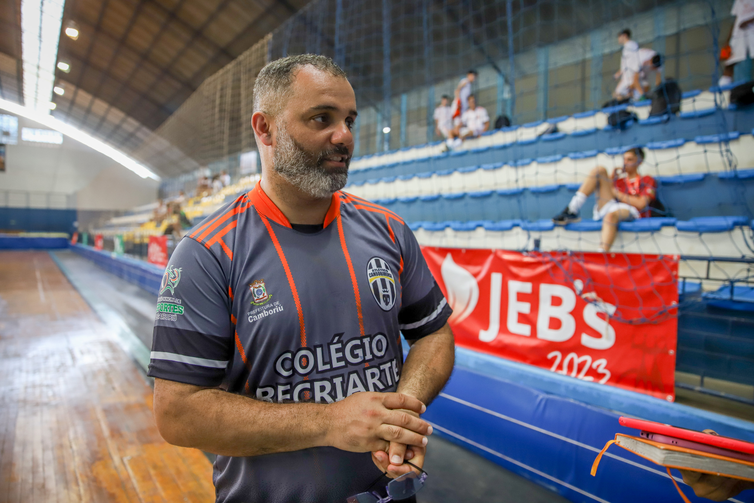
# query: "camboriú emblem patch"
259,292
170,279
381,283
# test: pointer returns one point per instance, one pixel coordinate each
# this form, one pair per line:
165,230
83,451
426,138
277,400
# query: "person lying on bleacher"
474,122
624,196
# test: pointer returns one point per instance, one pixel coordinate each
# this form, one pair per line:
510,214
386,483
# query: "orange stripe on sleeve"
389,229
353,275
230,293
233,320
226,249
235,211
288,274
355,200
385,212
202,227
241,351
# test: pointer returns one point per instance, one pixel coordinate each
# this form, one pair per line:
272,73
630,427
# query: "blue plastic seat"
480,194
711,224
501,225
406,177
425,174
543,189
583,155
522,162
584,132
657,119
647,224
468,169
553,136
388,179
527,141
532,124
739,174
429,198
539,225
549,159
695,114
717,138
678,179
573,186
496,165
616,108
452,197
408,199
509,192
662,145
585,226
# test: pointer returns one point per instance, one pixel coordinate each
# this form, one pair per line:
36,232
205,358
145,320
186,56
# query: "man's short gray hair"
273,84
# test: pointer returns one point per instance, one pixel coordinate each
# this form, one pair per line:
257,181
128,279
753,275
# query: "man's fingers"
397,453
408,421
401,401
393,433
690,477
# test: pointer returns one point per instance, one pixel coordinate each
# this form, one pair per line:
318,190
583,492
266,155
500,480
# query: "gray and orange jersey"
250,304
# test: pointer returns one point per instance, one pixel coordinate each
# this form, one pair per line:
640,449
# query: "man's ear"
262,127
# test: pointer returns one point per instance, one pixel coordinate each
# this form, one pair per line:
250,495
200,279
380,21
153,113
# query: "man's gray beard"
304,170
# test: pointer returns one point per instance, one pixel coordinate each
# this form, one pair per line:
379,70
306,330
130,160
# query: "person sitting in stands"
160,212
443,117
474,122
624,196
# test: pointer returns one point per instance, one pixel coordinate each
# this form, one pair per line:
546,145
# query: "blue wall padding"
138,272
10,242
553,440
37,220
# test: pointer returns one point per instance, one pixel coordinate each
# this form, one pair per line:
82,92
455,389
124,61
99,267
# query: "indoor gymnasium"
367,251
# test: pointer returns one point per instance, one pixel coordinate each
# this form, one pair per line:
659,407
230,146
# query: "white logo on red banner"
602,318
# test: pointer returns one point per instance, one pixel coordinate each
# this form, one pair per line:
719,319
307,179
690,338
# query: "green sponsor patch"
165,307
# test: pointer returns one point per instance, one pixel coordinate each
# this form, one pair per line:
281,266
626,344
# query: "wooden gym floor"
76,419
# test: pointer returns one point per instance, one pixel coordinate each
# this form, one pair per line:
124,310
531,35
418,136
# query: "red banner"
157,253
99,242
75,238
609,319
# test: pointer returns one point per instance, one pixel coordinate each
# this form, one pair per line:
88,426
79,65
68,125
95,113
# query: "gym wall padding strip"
549,439
138,272
32,243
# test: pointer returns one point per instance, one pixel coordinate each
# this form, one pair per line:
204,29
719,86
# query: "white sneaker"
724,81
457,143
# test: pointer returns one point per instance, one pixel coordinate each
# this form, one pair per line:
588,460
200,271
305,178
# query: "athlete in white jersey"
741,38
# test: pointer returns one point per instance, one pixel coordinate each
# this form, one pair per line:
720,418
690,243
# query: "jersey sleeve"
484,116
424,309
192,340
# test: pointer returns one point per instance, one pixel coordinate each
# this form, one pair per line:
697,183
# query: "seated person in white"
474,122
624,196
443,117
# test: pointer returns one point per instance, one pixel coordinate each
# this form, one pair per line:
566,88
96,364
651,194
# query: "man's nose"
343,136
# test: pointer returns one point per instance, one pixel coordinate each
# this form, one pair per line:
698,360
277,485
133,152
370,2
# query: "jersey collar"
264,206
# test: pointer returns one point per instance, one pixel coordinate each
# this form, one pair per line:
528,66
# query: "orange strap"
685,499
599,457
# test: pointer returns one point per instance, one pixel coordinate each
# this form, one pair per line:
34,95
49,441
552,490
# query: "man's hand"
369,422
391,461
714,487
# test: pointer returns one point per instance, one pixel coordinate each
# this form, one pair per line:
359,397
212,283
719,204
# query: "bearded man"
279,348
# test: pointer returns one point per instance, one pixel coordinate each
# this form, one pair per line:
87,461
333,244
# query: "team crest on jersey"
381,283
170,279
259,292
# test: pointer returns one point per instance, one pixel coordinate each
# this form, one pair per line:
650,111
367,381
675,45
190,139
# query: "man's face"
313,143
471,77
630,162
444,102
622,39
472,102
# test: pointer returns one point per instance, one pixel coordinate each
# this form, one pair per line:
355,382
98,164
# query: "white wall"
70,169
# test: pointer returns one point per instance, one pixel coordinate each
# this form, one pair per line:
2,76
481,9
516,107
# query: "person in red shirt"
624,196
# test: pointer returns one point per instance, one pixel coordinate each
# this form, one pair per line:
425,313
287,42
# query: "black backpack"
742,95
502,121
621,119
666,98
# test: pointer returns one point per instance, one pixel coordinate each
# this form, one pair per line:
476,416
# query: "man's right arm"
224,423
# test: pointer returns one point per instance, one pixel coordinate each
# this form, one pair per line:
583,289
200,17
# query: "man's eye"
321,118
350,124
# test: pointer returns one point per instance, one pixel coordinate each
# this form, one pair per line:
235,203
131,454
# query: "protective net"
549,67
